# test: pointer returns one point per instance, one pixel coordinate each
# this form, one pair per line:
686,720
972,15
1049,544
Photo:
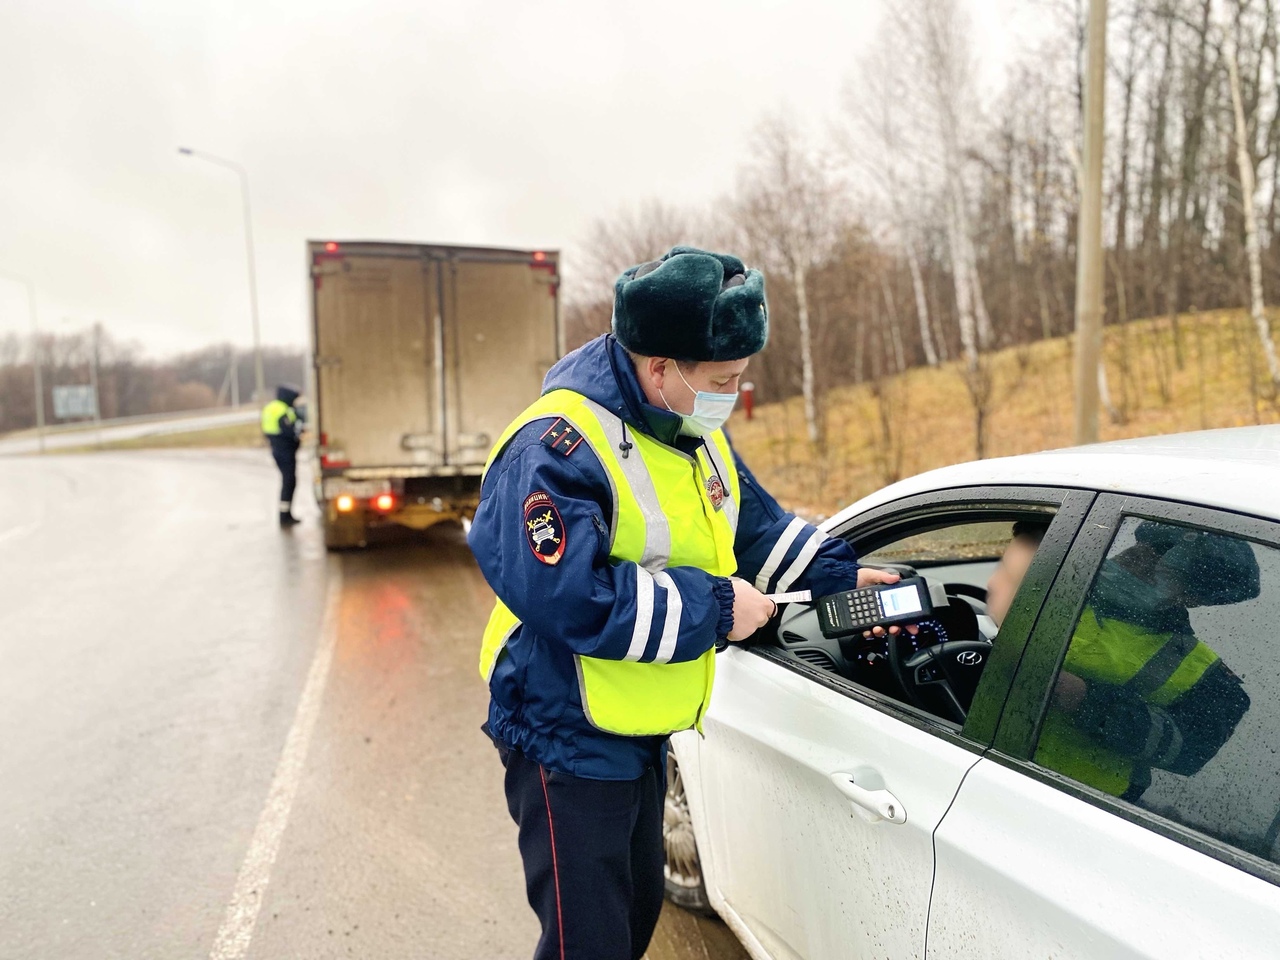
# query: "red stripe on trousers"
555,865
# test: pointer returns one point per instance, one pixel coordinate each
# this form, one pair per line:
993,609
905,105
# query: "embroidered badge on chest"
715,492
543,528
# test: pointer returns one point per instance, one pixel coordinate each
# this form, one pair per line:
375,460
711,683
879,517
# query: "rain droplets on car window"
1169,695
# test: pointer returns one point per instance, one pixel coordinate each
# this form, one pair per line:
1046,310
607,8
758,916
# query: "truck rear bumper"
420,516
416,503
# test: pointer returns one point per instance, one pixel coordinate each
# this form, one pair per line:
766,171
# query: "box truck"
422,354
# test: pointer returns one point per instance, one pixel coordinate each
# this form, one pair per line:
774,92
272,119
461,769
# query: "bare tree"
944,55
622,239
789,213
972,211
1247,190
879,142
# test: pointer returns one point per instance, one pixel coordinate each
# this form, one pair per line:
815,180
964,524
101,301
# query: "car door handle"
872,805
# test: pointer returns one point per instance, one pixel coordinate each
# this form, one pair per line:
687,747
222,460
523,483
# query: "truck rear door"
376,359
501,338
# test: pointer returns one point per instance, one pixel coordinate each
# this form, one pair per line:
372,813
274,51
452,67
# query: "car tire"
682,874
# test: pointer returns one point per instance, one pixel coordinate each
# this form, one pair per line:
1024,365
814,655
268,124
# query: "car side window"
963,556
957,543
1169,694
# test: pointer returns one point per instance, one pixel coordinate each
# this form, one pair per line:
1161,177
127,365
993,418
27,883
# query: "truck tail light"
385,502
345,503
331,458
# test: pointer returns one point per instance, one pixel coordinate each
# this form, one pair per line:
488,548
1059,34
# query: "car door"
1131,818
821,796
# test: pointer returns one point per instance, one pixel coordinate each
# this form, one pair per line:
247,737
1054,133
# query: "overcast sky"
492,123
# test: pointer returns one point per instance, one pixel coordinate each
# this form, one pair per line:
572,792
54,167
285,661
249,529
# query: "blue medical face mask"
710,410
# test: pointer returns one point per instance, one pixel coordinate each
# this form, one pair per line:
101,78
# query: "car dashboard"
865,660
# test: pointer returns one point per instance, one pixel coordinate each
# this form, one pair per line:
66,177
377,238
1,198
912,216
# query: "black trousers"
593,858
286,457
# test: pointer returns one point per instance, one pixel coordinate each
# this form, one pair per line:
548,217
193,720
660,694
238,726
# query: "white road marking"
236,932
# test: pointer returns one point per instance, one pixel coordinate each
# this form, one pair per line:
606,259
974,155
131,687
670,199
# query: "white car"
856,798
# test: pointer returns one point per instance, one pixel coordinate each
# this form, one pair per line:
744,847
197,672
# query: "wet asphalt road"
156,637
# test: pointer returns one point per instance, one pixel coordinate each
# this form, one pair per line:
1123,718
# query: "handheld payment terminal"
878,605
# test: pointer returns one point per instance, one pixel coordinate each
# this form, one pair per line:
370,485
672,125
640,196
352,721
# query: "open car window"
951,548
952,544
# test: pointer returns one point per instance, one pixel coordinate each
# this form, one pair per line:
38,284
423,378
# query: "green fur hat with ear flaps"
691,305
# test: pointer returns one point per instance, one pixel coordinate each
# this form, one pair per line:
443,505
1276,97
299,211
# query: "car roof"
1234,469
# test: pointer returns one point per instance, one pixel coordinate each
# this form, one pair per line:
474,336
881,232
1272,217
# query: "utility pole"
1089,276
93,380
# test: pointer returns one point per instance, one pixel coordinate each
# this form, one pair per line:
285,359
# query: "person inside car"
1013,566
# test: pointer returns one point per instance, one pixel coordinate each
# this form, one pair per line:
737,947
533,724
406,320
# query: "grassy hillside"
925,418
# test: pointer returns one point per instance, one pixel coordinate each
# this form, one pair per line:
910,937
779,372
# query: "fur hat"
691,305
1215,570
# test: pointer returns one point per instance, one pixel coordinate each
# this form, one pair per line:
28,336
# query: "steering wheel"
965,590
946,672
953,668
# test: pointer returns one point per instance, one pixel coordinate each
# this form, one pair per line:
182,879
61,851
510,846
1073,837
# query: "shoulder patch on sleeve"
544,528
562,437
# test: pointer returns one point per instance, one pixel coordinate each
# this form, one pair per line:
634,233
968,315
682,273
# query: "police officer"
624,538
282,427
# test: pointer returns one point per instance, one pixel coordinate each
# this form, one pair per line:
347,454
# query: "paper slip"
798,596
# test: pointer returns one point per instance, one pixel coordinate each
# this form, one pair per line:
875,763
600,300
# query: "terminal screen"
900,601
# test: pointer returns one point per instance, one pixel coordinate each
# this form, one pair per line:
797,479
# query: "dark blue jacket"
585,604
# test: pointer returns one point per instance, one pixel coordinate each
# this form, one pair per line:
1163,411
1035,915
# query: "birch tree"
1244,160
880,105
788,211
945,63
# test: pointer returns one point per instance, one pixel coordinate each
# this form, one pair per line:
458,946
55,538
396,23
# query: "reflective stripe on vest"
656,523
271,415
1159,667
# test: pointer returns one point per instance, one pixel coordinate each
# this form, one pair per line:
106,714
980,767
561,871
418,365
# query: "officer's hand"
751,609
870,575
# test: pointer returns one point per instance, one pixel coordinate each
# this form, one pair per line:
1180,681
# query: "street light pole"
259,384
35,353
1089,237
93,379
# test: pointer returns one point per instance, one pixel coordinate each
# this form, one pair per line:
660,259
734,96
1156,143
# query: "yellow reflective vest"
663,516
271,415
1159,665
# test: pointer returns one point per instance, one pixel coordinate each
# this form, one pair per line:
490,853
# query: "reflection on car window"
1169,695
954,544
